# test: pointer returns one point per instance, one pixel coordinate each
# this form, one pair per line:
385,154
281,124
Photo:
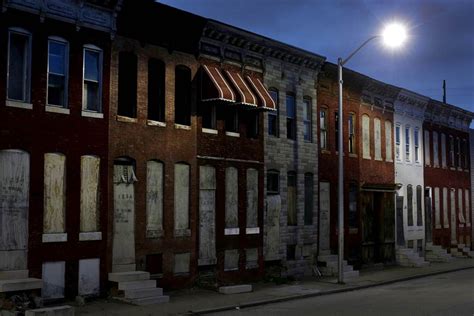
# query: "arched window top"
273,171
183,163
365,116
124,160
92,47
58,39
19,30
54,154
307,98
308,174
183,68
155,161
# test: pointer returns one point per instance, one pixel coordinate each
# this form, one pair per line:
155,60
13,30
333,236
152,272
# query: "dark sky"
440,46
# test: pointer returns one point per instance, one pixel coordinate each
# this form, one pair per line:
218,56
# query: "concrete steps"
436,253
407,257
328,266
18,280
461,251
135,287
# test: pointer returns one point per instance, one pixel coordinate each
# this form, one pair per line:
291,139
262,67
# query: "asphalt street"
444,294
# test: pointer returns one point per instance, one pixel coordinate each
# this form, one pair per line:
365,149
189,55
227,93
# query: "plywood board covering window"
366,137
54,193
154,199
181,198
252,197
231,198
90,193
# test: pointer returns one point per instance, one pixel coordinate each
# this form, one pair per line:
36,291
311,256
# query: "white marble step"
133,285
129,276
20,284
142,293
14,274
146,300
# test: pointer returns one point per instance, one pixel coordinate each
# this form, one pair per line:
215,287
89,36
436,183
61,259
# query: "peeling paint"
54,193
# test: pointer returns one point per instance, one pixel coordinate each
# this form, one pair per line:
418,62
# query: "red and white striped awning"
244,94
217,87
265,101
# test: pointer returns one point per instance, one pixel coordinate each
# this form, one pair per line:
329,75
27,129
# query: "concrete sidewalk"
198,301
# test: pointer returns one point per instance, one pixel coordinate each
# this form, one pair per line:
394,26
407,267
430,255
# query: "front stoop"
328,266
461,251
407,257
436,253
18,280
135,287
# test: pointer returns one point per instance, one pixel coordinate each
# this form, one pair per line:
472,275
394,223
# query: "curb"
323,293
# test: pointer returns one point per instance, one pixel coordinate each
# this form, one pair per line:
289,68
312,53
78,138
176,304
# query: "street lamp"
393,36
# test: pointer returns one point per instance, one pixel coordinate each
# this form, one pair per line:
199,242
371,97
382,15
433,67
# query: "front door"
123,250
14,205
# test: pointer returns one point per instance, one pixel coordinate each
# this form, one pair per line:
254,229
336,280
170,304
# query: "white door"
14,205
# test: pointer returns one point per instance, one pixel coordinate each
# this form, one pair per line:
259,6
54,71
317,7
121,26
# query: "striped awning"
265,101
215,86
244,94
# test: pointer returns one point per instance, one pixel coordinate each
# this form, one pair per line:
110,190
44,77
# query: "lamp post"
393,36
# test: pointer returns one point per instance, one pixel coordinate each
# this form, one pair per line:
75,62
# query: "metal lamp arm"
358,49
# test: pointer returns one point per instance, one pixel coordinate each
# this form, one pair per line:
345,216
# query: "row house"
291,160
54,96
447,175
369,183
410,200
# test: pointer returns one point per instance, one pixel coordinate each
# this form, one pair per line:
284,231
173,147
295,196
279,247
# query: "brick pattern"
298,155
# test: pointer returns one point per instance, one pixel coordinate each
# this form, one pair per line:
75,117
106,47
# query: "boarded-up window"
154,199
182,263
435,150
460,211
182,97
466,206
181,199
377,139
291,199
251,258
437,209
127,85
353,221
252,198
410,205
419,212
231,260
445,208
231,199
443,150
427,148
308,198
54,193
90,166
388,141
207,215
156,90
53,276
89,277
366,137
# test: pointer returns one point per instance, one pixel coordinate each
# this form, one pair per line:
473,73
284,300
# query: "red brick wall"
250,152
39,132
166,144
447,178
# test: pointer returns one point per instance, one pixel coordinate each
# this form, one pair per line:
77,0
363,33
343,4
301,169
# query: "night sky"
440,46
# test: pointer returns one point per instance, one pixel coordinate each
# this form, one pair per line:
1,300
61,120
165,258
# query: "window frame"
351,131
27,75
398,142
308,120
160,108
275,115
187,116
291,121
61,40
323,129
407,143
100,52
416,144
276,173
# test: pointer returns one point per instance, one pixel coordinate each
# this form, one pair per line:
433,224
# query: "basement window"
127,85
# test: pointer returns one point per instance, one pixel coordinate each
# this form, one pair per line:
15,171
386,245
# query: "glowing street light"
393,35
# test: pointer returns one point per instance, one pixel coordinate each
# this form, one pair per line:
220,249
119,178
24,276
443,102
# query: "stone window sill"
88,236
353,155
182,232
54,237
230,270
19,104
181,126
378,159
438,227
155,123
156,233
210,131
92,114
57,109
232,134
126,119
325,151
231,231
252,230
